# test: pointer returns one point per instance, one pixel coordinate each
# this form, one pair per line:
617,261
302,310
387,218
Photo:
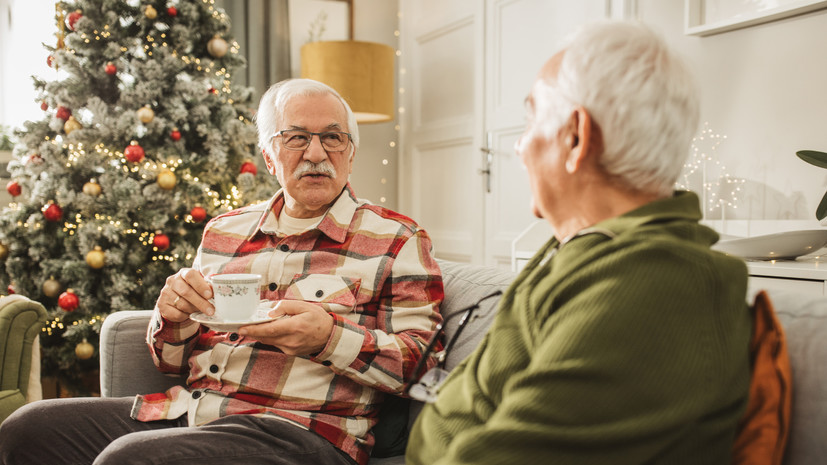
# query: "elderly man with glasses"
356,281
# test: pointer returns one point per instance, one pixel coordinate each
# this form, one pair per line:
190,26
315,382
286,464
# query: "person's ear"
268,161
578,138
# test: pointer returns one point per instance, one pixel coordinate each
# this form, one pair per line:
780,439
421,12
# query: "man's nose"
315,152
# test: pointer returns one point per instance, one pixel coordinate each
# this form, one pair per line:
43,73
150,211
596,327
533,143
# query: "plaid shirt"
369,267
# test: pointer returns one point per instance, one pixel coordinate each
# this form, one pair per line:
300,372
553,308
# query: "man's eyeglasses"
427,388
298,139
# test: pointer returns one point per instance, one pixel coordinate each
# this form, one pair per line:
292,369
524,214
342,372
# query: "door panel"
521,35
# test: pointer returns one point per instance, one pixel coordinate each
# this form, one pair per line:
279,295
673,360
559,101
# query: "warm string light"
723,191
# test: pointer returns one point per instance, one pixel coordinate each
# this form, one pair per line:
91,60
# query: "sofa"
21,321
126,368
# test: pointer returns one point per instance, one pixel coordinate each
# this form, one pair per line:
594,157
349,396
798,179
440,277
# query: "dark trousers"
99,431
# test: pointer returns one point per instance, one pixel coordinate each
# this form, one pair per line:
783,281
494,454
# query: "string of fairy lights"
718,189
77,152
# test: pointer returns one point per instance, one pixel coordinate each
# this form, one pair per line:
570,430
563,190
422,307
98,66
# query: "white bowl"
785,245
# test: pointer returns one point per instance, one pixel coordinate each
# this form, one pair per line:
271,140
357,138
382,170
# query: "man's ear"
578,138
271,167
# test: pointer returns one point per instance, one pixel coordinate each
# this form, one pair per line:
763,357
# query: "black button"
196,394
213,368
234,337
284,248
273,287
319,293
327,363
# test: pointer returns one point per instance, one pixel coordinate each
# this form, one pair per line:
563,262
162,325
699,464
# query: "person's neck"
599,202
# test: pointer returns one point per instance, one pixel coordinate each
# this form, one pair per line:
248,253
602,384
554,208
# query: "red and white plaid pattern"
369,267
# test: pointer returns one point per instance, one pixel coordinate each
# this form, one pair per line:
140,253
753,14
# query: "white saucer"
214,323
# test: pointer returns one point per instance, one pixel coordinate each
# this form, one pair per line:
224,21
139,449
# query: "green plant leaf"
821,211
813,157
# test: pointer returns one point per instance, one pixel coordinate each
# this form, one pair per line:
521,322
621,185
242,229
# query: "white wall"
765,89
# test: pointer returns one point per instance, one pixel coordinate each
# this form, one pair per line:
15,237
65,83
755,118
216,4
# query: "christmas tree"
144,137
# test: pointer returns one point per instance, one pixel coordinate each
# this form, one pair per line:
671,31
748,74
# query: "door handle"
487,160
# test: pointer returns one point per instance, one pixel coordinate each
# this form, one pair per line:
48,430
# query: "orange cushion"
764,428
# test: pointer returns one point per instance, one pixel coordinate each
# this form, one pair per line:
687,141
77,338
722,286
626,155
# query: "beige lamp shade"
362,72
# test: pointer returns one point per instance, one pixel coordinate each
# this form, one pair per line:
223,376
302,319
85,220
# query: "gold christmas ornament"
145,114
52,287
84,350
167,180
92,188
96,258
150,12
71,124
4,251
217,47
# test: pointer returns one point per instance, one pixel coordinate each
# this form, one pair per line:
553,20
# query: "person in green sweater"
625,340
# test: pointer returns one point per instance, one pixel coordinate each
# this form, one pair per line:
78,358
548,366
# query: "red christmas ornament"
213,90
14,188
68,300
49,60
175,135
63,113
134,152
111,69
161,241
44,106
172,11
198,213
52,212
72,18
249,167
10,289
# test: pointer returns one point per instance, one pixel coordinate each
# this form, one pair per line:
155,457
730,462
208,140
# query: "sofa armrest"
21,321
126,365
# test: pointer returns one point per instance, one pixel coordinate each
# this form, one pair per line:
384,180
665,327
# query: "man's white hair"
639,93
271,108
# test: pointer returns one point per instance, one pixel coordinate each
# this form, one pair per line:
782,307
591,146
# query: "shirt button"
234,337
273,287
284,248
213,368
319,293
196,394
327,363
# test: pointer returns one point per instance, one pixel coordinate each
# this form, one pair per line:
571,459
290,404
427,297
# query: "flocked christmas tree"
144,137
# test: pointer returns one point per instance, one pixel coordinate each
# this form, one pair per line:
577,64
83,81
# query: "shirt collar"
334,224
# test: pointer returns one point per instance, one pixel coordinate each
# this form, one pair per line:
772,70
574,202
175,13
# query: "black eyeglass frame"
310,135
440,329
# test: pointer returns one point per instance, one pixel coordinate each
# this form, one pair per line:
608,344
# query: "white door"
441,114
465,70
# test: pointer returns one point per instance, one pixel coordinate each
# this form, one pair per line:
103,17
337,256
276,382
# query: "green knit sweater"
629,346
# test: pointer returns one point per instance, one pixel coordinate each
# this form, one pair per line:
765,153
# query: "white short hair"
639,93
272,104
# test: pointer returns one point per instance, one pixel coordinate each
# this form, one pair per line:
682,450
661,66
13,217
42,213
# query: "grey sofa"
126,368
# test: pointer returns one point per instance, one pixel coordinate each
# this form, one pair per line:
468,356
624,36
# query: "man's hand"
305,332
184,293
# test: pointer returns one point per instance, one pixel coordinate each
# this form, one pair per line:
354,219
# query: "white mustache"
307,167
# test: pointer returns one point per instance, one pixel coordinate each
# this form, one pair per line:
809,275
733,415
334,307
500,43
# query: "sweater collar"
681,206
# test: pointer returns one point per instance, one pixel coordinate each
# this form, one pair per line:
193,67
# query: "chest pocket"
336,294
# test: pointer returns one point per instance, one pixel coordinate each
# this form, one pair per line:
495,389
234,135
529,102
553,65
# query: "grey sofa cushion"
804,319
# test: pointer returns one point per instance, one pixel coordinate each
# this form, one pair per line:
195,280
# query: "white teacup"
236,296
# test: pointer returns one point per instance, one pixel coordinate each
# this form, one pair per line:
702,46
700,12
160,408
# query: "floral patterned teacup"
236,296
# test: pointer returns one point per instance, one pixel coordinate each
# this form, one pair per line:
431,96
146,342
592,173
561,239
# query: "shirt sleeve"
406,314
170,344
